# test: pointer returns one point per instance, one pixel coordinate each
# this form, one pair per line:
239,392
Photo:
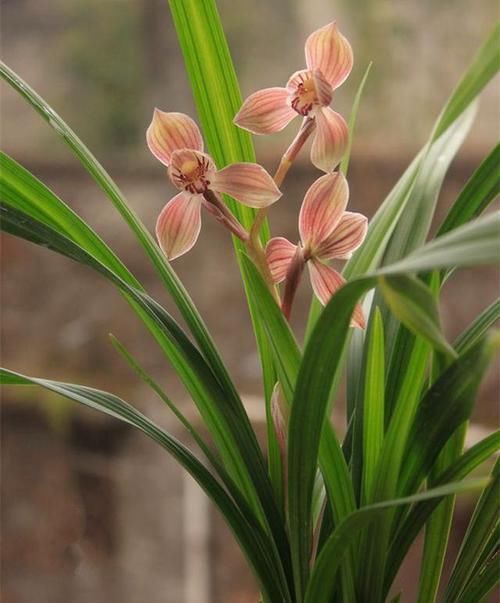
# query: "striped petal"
325,282
169,132
330,139
346,238
322,209
178,225
266,111
279,254
248,183
330,52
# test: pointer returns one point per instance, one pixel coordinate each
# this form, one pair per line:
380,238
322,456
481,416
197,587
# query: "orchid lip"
308,89
191,171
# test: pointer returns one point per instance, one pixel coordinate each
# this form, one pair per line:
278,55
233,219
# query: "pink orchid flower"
327,232
175,140
308,93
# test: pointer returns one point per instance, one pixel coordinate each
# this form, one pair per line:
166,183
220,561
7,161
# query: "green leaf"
222,413
318,368
416,519
308,413
417,439
21,190
253,540
148,379
422,179
473,244
373,404
344,164
481,526
478,193
483,582
478,328
322,583
413,304
438,527
418,186
447,404
413,227
474,198
287,357
376,539
102,178
283,343
483,68
218,99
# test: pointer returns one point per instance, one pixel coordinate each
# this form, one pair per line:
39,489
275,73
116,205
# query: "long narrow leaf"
488,317
103,179
418,516
438,527
482,69
218,99
453,394
246,529
344,164
480,190
481,526
373,404
287,358
322,583
228,425
483,582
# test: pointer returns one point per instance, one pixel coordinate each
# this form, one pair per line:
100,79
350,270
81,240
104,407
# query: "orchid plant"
322,515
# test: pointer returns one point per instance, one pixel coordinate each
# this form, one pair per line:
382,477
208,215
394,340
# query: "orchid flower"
327,232
175,140
308,93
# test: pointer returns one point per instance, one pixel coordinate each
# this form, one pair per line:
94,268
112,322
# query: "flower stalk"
215,206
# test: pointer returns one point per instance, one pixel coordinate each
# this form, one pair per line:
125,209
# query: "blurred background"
91,511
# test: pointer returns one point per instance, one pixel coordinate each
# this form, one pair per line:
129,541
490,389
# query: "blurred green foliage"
99,58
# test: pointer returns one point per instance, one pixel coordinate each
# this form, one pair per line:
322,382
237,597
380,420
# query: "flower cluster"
308,93
327,231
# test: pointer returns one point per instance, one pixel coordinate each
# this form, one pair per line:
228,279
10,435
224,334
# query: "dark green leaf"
478,193
322,584
412,303
102,178
344,164
481,527
253,540
411,526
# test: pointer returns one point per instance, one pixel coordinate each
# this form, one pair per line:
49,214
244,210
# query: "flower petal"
330,52
178,225
169,132
346,238
265,111
325,282
330,139
248,183
279,254
322,208
358,317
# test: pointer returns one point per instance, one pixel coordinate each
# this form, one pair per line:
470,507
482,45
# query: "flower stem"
214,204
254,245
293,277
285,164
